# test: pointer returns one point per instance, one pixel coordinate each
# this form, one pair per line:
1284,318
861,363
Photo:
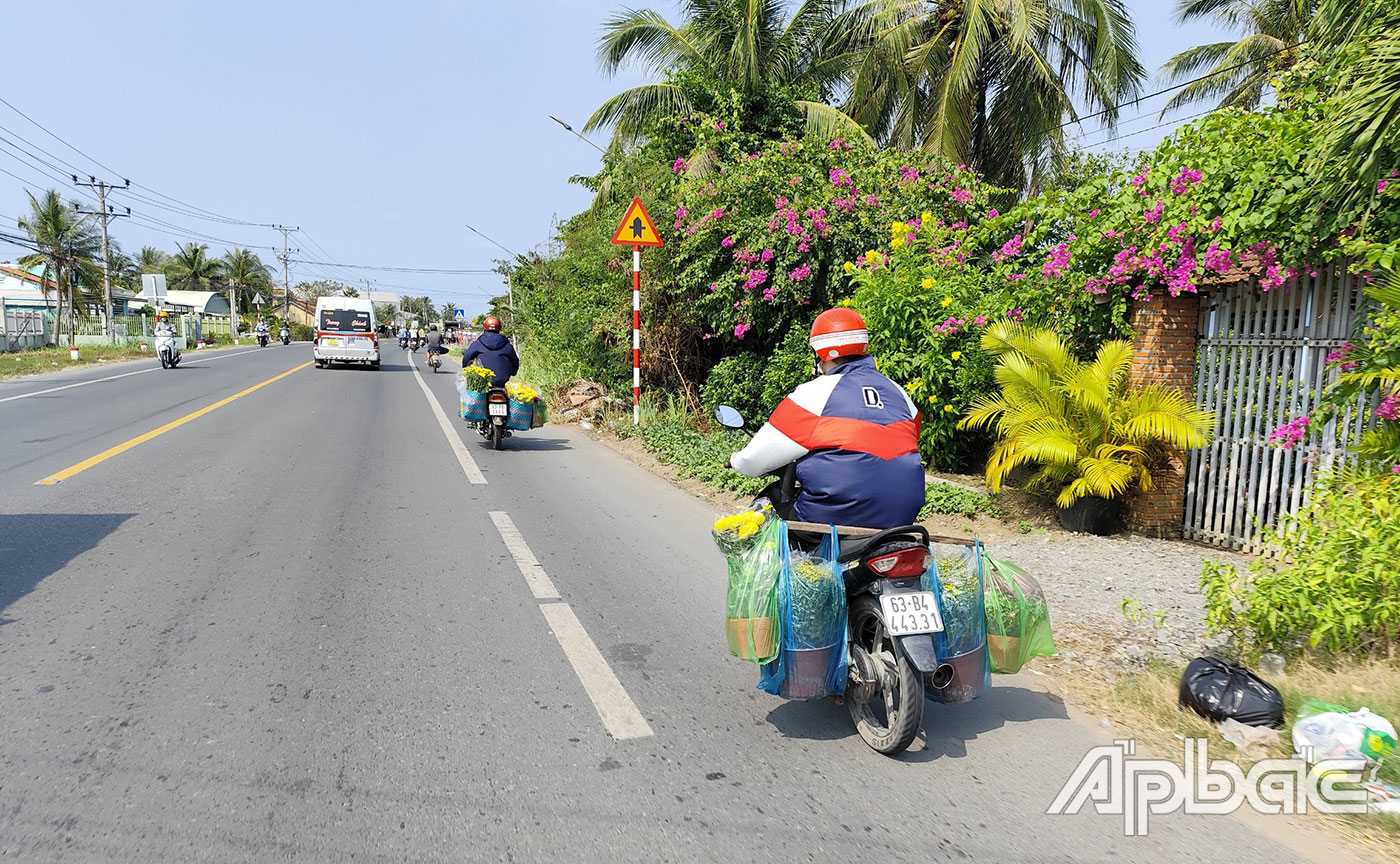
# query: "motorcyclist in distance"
435,345
853,433
493,351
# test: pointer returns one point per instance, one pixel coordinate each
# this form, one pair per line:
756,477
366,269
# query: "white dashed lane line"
615,708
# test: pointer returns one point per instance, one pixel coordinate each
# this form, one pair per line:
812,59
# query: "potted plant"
815,596
751,608
1092,435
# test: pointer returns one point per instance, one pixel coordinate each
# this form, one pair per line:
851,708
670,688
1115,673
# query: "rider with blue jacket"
493,351
853,433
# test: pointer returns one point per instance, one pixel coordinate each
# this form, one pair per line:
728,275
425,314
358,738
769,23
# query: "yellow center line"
142,439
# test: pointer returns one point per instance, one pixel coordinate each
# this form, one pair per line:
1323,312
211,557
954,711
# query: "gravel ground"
1087,579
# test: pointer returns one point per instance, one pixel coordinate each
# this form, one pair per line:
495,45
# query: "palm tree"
151,260
1240,70
242,268
68,245
349,292
449,311
191,268
990,83
748,45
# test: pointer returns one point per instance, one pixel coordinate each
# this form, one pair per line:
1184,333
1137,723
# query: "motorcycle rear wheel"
888,718
498,436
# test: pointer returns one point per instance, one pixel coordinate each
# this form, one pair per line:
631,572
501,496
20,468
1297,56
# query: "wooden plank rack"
853,531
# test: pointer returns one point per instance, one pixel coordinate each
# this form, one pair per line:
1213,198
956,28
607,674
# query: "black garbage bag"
1219,690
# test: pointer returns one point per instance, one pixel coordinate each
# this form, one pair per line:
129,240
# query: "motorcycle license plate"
910,614
497,409
331,341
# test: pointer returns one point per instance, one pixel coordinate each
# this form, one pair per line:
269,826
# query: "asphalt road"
292,629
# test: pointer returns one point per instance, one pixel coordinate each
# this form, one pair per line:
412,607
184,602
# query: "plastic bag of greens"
755,546
1018,619
812,608
955,578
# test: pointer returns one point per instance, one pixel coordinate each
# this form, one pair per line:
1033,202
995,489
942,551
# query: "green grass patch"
700,454
42,360
956,501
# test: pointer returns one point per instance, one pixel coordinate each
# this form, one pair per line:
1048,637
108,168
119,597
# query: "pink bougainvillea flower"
1389,409
680,165
962,196
1093,213
1014,314
740,329
766,256
1008,250
1289,434
1380,186
1155,214
979,321
839,177
727,241
908,174
1185,180
800,273
992,214
1058,262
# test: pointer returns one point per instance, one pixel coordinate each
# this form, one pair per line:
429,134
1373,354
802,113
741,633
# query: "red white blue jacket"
855,436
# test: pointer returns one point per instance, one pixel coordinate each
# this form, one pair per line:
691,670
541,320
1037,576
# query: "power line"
1164,91
58,139
492,242
432,270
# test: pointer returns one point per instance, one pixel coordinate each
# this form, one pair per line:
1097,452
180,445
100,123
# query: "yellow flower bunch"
947,301
743,525
478,378
927,283
521,392
916,385
925,218
872,257
957,355
848,268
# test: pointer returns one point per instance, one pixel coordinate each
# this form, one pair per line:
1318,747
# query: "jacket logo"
872,398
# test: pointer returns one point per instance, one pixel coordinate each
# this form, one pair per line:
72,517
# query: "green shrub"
737,381
700,455
1334,585
955,500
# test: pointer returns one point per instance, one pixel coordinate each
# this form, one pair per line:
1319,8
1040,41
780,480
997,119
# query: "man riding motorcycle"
494,352
853,433
260,330
435,345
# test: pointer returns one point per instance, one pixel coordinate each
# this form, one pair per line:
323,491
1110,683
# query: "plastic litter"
1252,741
1220,690
1018,619
1334,732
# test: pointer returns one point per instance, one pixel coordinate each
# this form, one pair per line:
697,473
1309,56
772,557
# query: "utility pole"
105,213
286,258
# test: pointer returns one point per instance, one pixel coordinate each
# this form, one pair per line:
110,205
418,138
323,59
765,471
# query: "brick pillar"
1166,329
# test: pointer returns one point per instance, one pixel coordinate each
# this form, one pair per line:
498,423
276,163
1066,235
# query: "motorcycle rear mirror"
728,417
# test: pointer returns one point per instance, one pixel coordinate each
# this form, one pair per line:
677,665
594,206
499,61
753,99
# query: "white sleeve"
768,451
771,448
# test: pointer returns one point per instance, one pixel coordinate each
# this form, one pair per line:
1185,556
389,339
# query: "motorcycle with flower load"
910,633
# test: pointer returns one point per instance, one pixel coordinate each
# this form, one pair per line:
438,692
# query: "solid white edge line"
110,378
540,584
463,457
615,708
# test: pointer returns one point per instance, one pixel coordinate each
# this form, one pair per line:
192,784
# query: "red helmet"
492,324
839,332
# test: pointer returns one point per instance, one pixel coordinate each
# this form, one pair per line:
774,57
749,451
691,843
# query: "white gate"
1261,361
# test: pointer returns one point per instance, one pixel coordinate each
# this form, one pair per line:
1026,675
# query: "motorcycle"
262,340
434,360
493,428
403,342
167,352
286,336
412,344
893,621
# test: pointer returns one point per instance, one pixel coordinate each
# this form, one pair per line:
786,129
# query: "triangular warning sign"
636,228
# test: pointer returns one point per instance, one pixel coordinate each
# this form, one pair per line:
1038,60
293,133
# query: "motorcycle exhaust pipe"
942,676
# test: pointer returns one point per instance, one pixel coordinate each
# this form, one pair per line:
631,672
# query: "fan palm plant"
68,245
1236,72
151,260
243,270
989,83
1089,430
743,44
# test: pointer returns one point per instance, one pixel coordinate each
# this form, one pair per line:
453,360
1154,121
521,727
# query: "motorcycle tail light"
497,397
902,564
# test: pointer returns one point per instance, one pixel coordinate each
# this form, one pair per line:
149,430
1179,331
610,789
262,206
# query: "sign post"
637,230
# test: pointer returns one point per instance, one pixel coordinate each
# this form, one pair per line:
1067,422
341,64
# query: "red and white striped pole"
637,335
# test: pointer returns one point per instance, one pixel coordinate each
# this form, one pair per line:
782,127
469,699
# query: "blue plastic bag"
956,580
812,610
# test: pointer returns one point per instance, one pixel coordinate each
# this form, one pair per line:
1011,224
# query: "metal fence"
21,329
1262,361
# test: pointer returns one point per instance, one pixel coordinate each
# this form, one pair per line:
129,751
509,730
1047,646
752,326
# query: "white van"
345,331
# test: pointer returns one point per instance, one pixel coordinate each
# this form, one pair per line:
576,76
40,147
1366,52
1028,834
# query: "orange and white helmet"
839,332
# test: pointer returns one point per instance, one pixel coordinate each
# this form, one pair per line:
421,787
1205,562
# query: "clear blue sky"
378,128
